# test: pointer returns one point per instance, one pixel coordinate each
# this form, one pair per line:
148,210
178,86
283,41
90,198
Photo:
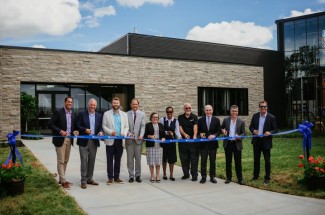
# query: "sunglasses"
188,108
263,107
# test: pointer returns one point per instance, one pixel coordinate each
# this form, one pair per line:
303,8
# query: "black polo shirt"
188,123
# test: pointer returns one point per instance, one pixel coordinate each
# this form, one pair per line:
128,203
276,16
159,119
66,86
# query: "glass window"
300,34
51,87
221,100
28,88
312,32
321,27
78,95
289,36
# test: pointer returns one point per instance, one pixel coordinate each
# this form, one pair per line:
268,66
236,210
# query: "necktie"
135,117
209,121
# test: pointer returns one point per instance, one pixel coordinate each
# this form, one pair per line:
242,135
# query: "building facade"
302,41
158,82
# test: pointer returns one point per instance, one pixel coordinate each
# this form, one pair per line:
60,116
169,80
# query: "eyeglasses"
188,108
169,111
263,107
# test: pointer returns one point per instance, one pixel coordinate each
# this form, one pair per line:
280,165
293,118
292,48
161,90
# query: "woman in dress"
154,130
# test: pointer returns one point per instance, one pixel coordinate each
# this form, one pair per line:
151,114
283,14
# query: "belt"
232,141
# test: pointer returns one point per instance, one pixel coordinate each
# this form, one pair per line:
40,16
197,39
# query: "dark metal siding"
170,48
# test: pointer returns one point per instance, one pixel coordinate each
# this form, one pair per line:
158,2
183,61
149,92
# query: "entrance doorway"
48,102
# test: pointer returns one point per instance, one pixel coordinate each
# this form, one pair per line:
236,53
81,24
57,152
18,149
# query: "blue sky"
88,25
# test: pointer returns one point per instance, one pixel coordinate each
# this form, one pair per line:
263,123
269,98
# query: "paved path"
167,198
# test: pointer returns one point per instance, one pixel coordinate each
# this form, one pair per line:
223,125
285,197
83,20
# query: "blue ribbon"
13,148
160,141
305,130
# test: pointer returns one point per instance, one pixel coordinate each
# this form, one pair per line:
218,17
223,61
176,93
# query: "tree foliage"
28,108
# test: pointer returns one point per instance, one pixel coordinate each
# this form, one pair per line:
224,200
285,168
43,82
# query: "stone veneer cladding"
158,82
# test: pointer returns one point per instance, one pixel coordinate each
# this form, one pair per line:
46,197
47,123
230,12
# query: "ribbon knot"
305,130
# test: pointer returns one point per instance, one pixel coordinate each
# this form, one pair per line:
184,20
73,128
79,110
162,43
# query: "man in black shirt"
188,151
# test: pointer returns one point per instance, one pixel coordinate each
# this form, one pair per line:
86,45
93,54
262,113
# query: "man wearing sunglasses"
263,124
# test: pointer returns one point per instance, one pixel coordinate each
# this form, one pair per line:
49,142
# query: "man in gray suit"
137,123
233,126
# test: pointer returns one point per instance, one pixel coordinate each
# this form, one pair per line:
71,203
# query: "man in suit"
89,122
137,124
115,123
62,124
233,126
263,123
208,127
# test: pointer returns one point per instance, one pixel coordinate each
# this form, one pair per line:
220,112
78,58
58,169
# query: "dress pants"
230,150
189,156
205,151
63,155
113,155
133,152
258,148
87,160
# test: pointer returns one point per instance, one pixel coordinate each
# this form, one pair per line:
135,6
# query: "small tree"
28,108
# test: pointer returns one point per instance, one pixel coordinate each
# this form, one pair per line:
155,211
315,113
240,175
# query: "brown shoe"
109,182
83,186
92,182
66,185
117,180
70,183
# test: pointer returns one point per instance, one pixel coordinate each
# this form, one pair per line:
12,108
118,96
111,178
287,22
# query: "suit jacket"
57,123
269,125
240,131
138,128
108,125
83,123
215,129
150,131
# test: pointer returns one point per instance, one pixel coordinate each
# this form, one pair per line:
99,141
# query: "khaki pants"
63,155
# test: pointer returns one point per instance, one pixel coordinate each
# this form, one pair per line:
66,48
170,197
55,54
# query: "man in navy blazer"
89,122
263,123
62,124
208,127
233,126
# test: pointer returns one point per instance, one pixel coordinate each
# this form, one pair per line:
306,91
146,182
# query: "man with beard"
115,123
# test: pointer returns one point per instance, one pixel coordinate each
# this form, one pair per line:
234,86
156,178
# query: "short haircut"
68,97
92,99
169,107
151,115
262,102
234,107
116,99
134,99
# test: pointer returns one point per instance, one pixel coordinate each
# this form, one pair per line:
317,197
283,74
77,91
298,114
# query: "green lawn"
42,194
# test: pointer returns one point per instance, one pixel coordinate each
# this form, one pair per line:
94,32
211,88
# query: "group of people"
132,124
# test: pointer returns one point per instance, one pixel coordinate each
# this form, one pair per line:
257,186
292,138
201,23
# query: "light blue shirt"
68,117
232,129
92,122
261,124
117,123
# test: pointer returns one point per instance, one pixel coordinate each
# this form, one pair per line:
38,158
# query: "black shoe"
241,182
185,177
172,178
254,178
165,177
227,181
138,179
194,178
213,180
131,180
266,182
203,180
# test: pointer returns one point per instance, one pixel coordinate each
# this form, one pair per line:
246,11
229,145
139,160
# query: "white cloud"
307,11
21,18
139,3
321,1
233,33
40,46
104,11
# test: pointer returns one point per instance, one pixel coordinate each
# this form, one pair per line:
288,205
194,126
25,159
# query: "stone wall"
158,82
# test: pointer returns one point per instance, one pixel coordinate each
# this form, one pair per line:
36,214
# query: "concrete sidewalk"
168,197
